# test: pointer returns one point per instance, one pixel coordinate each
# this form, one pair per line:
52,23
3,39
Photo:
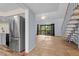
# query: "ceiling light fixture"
43,17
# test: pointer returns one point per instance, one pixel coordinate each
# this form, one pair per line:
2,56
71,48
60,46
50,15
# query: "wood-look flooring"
5,51
46,46
53,46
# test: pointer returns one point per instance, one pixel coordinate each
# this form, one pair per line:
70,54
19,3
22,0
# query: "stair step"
76,31
69,29
65,37
75,34
75,17
68,34
77,7
76,11
73,22
71,25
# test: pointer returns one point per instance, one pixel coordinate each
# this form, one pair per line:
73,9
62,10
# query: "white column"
27,30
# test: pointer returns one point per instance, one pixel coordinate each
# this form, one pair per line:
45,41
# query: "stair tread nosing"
75,17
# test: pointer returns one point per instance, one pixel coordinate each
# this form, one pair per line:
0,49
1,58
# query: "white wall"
56,18
5,27
32,30
57,21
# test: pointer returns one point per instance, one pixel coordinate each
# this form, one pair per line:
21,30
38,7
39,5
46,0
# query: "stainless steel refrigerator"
17,33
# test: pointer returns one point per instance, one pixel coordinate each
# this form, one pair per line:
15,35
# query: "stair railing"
69,13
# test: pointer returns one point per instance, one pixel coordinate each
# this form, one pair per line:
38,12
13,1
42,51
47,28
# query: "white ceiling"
4,7
59,13
39,8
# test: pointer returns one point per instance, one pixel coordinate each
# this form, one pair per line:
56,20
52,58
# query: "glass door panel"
47,29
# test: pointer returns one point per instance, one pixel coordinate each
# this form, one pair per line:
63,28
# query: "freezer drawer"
14,44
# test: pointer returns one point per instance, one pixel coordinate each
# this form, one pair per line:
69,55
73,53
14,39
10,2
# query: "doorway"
46,29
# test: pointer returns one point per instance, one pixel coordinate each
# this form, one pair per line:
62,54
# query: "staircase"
71,28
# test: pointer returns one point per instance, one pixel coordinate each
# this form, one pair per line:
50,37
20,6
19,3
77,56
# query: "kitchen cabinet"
4,30
2,38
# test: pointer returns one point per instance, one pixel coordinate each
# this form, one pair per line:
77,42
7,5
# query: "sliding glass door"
46,29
